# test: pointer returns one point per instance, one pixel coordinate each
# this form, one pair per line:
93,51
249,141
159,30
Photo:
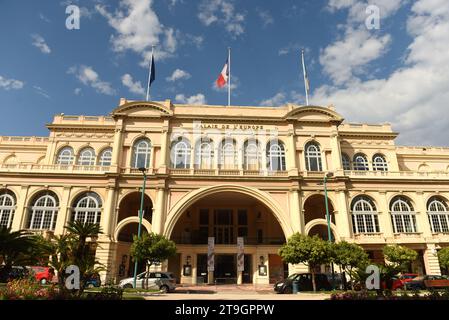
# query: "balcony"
194,240
396,174
227,172
52,168
440,237
408,237
369,238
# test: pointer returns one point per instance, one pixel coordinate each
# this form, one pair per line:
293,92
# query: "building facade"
227,172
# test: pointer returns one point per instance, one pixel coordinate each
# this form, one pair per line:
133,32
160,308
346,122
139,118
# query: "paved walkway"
232,292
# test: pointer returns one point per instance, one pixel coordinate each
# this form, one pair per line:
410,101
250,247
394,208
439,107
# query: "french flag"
224,76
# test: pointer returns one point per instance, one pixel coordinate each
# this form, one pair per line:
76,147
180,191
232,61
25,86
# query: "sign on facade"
240,254
210,254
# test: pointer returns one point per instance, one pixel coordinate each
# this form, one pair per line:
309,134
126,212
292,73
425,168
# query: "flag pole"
229,76
305,77
149,73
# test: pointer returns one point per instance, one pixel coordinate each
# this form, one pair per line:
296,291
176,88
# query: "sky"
376,61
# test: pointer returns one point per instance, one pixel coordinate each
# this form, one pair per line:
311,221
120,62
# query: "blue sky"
397,73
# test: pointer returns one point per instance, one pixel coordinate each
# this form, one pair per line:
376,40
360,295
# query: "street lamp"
329,233
143,170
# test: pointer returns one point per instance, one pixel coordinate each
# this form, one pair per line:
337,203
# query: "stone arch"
314,208
129,206
322,222
127,221
193,196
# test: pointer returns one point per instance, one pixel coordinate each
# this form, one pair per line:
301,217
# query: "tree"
443,258
398,259
152,248
312,251
14,248
349,256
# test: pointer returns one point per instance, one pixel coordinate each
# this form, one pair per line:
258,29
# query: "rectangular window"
242,218
204,216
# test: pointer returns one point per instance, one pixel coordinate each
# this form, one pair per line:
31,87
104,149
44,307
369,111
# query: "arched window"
252,159
141,153
379,163
276,156
65,156
87,208
345,161
364,215
437,209
86,157
313,157
204,154
7,208
402,215
44,212
105,157
180,154
360,162
228,154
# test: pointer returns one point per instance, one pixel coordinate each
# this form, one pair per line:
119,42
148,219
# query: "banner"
240,254
210,254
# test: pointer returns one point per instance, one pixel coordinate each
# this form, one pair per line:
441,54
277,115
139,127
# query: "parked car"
304,283
16,272
43,275
400,280
93,282
163,281
427,282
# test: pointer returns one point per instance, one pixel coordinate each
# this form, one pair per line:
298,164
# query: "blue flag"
152,70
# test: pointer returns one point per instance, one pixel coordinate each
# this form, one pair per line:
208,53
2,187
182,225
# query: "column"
108,212
159,215
342,218
21,213
336,152
431,262
164,146
295,211
291,160
384,215
64,210
117,145
194,268
422,220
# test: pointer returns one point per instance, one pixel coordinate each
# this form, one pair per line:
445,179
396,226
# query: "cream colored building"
227,172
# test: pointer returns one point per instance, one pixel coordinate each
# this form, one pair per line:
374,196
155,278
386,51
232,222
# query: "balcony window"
437,210
402,215
313,157
252,159
86,157
7,208
364,215
106,157
345,161
44,212
65,156
141,153
379,163
228,154
180,154
204,154
276,156
87,208
360,162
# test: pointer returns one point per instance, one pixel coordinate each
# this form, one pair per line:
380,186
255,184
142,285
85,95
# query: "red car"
398,281
43,274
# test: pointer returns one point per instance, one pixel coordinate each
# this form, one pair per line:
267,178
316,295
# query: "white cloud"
77,91
265,16
347,57
39,42
198,99
8,84
41,92
223,13
414,97
282,98
44,18
178,74
89,77
137,28
133,86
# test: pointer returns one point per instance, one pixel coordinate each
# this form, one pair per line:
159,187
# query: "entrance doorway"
225,269
248,270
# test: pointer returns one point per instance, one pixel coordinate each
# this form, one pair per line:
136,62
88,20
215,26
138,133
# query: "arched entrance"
127,227
226,216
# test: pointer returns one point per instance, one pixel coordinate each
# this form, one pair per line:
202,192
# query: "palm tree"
14,247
